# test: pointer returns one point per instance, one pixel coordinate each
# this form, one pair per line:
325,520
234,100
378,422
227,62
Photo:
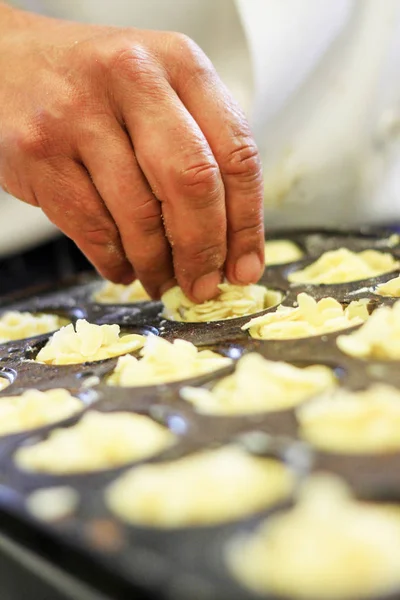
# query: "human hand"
133,147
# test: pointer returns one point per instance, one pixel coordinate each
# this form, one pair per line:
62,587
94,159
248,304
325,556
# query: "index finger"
229,137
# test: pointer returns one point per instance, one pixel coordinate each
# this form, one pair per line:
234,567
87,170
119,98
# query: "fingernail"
248,268
206,286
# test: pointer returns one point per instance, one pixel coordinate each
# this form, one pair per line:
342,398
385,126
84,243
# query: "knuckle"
191,51
251,229
244,161
129,61
34,141
247,228
105,236
148,216
184,44
200,71
151,224
199,255
246,237
200,182
44,134
211,254
190,59
182,39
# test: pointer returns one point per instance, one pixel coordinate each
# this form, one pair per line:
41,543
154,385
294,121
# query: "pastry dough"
115,293
16,325
279,252
210,487
353,422
98,441
307,319
390,288
162,362
260,385
233,301
378,338
329,546
34,408
343,265
87,343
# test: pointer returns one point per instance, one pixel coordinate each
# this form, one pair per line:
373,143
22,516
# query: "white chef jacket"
319,81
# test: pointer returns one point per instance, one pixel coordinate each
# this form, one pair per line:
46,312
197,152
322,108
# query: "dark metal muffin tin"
124,561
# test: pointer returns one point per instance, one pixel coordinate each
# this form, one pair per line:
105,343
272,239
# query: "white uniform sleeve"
326,83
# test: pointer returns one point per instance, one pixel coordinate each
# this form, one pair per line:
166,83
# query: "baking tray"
123,561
